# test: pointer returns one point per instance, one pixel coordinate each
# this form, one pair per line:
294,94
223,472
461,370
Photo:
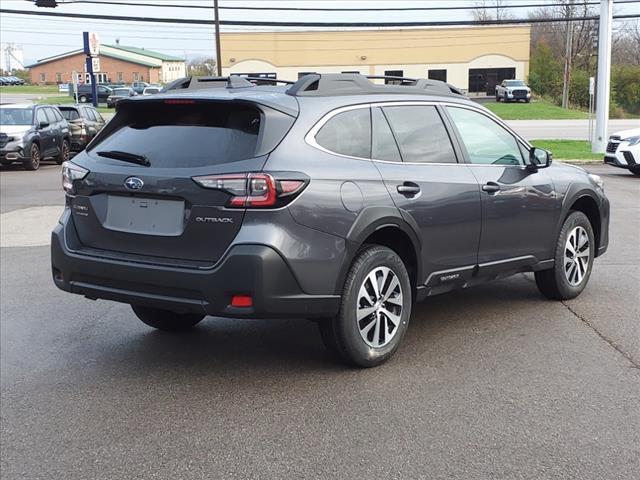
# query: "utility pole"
604,76
567,57
218,50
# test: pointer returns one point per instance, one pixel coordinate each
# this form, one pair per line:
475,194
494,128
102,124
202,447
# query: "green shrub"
625,84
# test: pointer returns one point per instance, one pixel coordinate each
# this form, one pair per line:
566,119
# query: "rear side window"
383,146
186,135
347,133
87,113
70,114
421,134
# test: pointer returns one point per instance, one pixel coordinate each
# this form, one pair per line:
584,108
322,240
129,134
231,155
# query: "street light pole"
604,76
218,50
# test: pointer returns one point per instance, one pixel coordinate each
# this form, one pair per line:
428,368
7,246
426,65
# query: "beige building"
473,59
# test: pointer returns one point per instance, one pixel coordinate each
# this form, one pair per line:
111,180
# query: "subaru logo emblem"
133,183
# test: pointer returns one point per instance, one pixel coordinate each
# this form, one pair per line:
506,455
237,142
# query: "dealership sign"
91,44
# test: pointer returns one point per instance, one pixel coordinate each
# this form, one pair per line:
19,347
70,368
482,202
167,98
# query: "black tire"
342,334
83,99
33,163
527,100
553,283
166,320
505,99
497,98
65,150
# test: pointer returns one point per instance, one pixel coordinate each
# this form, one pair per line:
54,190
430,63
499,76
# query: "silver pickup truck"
513,90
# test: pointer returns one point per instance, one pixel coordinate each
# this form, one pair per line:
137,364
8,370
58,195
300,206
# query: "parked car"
11,80
513,90
333,199
118,94
85,94
139,87
152,90
32,133
84,123
623,150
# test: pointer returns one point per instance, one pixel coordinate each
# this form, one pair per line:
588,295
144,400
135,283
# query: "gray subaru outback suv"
332,198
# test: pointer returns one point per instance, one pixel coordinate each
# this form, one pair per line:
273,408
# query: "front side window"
41,117
347,133
420,133
486,141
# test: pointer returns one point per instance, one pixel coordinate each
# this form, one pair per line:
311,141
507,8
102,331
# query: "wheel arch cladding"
587,205
384,226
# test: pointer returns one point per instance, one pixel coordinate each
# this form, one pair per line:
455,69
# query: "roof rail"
330,84
196,83
268,80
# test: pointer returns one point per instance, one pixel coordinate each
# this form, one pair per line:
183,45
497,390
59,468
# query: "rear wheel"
64,152
33,163
375,309
575,250
83,99
165,319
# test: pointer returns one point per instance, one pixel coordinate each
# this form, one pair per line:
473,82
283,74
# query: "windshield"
69,113
16,116
121,91
514,83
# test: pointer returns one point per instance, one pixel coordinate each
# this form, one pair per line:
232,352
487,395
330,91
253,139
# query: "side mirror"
539,158
43,124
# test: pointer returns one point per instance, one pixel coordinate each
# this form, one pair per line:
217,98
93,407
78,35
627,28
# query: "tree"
201,66
490,10
545,71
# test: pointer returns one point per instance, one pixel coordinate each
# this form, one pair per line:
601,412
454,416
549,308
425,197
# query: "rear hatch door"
157,210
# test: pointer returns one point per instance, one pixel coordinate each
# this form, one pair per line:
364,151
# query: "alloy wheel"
35,156
577,252
379,307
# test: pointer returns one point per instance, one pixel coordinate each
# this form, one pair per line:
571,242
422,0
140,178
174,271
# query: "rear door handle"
408,189
491,187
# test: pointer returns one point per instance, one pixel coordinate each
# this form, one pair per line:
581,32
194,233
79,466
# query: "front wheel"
165,319
375,309
33,163
574,254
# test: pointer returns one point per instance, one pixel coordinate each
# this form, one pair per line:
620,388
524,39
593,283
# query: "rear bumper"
247,269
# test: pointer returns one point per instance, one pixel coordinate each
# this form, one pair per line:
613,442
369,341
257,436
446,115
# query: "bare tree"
490,10
626,44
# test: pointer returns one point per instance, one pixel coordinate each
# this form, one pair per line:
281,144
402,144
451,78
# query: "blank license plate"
145,216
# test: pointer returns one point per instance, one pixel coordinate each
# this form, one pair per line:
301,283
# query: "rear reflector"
242,301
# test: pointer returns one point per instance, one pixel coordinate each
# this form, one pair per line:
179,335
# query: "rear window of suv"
177,135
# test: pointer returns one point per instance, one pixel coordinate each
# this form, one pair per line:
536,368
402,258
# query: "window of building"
421,135
119,77
438,74
43,77
58,78
348,133
136,76
486,142
393,73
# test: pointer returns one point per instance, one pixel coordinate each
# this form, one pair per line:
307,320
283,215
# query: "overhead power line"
263,23
329,9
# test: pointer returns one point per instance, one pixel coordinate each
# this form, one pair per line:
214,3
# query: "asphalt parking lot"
491,382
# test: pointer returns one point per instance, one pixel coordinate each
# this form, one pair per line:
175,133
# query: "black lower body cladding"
246,269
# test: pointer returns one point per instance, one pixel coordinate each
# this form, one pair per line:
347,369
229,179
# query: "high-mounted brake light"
179,101
253,190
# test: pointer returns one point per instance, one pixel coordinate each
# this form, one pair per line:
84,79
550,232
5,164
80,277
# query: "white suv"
623,150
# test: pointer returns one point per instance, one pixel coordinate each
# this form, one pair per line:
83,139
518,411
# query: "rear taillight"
70,173
254,190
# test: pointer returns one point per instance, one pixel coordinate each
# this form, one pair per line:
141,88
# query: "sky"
41,37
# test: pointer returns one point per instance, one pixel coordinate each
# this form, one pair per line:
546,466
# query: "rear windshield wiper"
125,157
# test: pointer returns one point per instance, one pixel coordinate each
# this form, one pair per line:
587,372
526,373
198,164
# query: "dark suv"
334,199
32,133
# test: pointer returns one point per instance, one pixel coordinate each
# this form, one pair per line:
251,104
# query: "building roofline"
111,54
